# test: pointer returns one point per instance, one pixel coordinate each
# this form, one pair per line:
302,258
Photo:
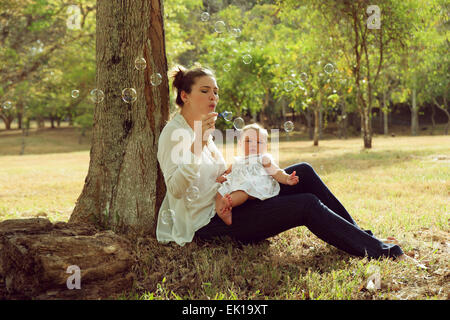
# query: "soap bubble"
303,77
192,193
226,67
288,126
140,64
75,93
329,68
239,123
97,96
219,26
7,105
155,79
288,85
236,32
227,115
204,16
167,216
129,95
247,58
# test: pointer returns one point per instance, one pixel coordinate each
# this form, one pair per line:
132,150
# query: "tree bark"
124,187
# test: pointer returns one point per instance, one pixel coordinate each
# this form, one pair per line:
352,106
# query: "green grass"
398,188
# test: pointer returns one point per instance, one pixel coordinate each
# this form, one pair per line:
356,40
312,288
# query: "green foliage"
284,38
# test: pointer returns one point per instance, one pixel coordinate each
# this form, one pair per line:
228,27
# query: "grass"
398,188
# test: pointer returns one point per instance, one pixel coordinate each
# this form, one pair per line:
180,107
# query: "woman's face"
204,96
254,142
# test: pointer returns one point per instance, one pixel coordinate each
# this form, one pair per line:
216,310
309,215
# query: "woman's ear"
184,96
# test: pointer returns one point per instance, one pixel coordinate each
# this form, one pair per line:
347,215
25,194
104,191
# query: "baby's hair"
183,80
256,127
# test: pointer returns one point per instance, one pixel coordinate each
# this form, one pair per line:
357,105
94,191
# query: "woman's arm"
179,165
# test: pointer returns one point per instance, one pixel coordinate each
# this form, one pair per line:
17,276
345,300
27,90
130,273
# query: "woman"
309,203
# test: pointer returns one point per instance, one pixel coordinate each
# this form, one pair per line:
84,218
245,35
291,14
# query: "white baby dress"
248,174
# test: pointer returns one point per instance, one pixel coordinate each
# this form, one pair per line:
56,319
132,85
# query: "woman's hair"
183,80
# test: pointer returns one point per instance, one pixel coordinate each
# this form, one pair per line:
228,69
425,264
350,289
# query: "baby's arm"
279,174
222,178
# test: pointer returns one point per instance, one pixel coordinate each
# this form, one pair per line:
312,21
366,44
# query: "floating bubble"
140,64
226,67
97,96
227,115
303,77
289,85
204,16
155,79
75,93
219,26
167,216
247,58
288,126
239,123
129,95
329,68
192,193
7,105
236,32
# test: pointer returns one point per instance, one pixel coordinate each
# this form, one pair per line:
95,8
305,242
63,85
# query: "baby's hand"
221,179
292,179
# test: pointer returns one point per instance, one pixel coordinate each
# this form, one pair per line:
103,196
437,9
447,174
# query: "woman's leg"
257,220
310,182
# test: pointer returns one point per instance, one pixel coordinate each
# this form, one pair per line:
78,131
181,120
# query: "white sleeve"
179,165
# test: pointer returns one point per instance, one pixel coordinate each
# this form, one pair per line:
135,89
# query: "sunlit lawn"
399,188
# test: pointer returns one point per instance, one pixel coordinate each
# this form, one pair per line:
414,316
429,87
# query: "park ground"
398,188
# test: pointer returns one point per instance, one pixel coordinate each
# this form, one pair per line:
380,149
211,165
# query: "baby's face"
254,142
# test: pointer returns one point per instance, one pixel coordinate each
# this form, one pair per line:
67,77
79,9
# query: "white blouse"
183,170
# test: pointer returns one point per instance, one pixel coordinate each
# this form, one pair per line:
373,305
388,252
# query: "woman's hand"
208,124
201,138
292,179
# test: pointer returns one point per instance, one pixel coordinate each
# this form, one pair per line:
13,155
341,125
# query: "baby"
254,176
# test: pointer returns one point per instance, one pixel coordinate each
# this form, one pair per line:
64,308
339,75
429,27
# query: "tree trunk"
40,122
124,187
366,129
414,115
320,120
446,112
433,122
309,120
385,115
52,122
316,123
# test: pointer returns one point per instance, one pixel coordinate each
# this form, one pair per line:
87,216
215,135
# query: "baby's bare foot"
224,209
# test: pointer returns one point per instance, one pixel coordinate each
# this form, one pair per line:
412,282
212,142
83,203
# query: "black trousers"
309,203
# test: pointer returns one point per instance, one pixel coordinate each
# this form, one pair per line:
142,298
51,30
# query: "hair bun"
178,74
